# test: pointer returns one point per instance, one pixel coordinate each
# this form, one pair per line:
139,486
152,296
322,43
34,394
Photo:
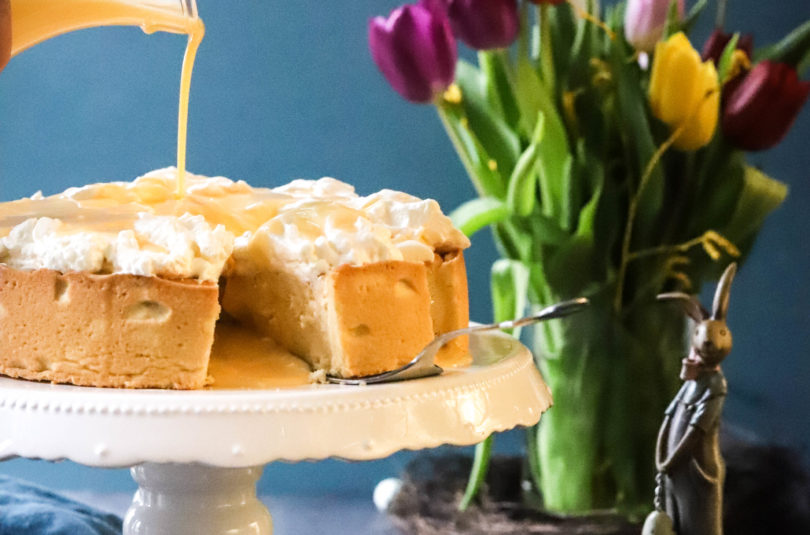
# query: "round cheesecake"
122,284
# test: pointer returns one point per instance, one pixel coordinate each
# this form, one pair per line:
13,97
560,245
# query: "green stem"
546,52
487,60
525,31
631,216
720,19
458,145
533,454
478,474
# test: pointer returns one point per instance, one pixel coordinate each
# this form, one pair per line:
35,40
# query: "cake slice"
352,321
354,285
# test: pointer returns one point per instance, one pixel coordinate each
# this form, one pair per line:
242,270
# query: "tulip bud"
760,110
645,20
684,93
415,50
484,24
716,43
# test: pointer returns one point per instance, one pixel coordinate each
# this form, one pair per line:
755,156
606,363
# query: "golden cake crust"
379,316
357,320
449,306
114,330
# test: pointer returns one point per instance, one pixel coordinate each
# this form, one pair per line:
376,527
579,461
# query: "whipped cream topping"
140,227
184,246
328,224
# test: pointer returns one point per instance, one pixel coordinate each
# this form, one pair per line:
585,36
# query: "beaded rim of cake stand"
21,400
233,428
26,395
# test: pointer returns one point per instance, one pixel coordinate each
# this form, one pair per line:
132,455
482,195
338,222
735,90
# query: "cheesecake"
123,284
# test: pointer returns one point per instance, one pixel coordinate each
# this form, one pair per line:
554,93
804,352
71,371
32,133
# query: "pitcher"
34,21
24,23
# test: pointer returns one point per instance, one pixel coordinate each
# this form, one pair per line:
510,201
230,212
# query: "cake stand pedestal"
196,455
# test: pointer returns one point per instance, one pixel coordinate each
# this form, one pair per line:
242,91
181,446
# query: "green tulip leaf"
719,194
521,197
725,63
529,93
534,99
471,152
760,195
804,65
569,189
501,143
510,289
546,231
694,14
792,49
476,214
634,125
586,225
478,472
564,27
496,70
514,241
673,23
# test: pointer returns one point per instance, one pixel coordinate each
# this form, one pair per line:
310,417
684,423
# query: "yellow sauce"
34,21
195,35
114,207
243,359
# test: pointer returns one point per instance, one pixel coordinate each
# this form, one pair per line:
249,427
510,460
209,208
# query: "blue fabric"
26,509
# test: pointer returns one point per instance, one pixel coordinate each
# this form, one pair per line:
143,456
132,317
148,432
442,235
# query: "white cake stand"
196,455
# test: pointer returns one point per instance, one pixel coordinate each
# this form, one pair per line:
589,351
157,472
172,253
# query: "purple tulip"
644,22
760,110
484,24
415,50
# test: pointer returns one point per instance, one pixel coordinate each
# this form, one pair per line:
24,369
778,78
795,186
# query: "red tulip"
415,50
484,24
760,110
716,43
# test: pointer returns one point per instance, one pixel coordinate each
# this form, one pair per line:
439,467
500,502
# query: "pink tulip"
645,21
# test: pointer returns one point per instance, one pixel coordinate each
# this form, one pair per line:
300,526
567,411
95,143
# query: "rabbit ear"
721,295
689,303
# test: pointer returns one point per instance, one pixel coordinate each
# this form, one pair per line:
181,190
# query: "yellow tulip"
684,92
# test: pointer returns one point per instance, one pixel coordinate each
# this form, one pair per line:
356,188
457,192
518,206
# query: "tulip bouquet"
609,158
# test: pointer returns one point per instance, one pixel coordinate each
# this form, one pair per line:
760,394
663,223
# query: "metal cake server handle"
423,364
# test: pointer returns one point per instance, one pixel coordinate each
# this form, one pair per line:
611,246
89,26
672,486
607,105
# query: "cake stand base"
190,499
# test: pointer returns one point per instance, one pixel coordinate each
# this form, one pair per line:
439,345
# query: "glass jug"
24,23
34,21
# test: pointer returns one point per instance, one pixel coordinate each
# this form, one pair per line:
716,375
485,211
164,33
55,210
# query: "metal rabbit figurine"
690,467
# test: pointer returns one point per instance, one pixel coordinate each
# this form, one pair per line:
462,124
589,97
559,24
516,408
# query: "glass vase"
612,376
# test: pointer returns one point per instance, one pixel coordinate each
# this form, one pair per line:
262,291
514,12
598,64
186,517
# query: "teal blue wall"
287,89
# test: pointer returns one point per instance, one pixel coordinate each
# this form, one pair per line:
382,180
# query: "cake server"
423,364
